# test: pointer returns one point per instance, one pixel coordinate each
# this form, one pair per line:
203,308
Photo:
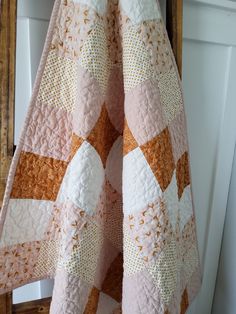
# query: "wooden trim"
174,25
7,93
6,303
7,87
37,306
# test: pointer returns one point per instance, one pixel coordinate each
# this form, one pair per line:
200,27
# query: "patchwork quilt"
99,193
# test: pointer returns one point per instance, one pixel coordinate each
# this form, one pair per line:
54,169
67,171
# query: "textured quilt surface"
99,191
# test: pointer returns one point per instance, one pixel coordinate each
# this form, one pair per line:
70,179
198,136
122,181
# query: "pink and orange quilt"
99,192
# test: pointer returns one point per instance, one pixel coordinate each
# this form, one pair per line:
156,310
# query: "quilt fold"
99,193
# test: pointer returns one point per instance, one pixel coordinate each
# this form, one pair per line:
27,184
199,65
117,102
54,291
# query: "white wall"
209,76
225,294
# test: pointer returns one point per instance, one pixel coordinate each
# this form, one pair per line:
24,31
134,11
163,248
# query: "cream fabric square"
133,262
191,262
48,257
94,56
83,261
136,60
170,94
165,272
58,85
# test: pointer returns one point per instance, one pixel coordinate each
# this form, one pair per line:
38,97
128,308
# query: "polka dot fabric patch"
58,84
170,94
83,260
136,60
94,56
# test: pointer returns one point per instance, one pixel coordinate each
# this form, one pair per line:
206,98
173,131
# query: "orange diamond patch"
159,155
38,177
103,135
129,141
76,142
182,173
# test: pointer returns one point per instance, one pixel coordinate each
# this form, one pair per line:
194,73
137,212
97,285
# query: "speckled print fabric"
99,193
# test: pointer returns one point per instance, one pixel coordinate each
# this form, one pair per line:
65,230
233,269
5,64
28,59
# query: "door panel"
209,75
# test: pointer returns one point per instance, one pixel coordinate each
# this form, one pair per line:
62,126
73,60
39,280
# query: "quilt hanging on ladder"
99,193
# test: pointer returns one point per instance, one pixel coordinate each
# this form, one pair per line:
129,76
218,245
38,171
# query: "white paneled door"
209,78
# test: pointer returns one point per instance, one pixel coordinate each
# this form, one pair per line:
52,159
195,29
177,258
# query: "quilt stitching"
102,182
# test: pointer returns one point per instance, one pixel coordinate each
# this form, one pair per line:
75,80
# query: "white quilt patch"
141,10
178,208
140,186
171,200
82,183
98,5
106,304
26,221
185,207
